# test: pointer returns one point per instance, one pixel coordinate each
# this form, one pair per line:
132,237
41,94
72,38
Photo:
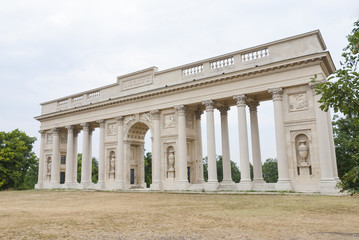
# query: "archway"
136,164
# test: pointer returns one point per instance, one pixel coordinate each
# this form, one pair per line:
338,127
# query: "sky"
50,49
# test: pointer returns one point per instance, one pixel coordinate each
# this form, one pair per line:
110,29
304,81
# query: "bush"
350,181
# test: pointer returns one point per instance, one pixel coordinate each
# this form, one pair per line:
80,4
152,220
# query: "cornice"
212,80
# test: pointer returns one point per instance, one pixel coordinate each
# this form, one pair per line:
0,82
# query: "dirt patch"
116,215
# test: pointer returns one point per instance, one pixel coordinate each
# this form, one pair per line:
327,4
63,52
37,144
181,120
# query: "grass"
122,215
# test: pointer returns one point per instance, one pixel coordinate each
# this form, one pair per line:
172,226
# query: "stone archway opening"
140,158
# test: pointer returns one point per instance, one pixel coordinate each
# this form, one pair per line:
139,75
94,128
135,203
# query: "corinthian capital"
241,100
223,110
209,104
276,93
155,114
120,120
181,110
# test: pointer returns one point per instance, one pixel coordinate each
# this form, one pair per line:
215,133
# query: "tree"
270,170
148,169
17,160
350,181
346,139
236,174
94,168
342,93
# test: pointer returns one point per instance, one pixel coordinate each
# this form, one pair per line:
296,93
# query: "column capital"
70,129
55,130
42,132
102,123
155,114
85,126
198,114
181,109
76,132
276,93
223,110
252,104
241,100
120,120
209,104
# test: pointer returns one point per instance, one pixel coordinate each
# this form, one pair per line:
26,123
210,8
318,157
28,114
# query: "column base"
283,185
245,185
71,185
258,180
53,185
227,185
85,185
211,186
39,185
100,186
120,186
328,186
183,185
156,186
200,181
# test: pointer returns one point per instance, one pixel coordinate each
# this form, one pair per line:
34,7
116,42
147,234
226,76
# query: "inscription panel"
137,82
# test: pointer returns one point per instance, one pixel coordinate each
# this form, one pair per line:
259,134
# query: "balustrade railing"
255,55
222,63
94,94
192,70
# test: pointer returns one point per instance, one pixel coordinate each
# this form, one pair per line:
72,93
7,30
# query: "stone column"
85,181
226,159
256,148
40,179
182,147
212,183
199,155
120,157
69,156
55,164
74,180
283,171
245,183
101,159
89,168
327,180
156,178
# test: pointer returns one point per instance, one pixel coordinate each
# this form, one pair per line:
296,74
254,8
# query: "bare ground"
116,215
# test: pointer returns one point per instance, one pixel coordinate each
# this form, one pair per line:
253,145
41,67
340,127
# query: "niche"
48,168
112,164
303,155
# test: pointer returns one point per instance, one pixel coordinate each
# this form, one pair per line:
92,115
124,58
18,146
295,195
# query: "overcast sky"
50,49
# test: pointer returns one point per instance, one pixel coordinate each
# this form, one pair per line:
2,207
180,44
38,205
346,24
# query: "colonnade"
241,100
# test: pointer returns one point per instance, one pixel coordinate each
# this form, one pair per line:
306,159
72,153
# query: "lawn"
117,215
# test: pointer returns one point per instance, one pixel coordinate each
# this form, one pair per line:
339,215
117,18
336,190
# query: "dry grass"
114,215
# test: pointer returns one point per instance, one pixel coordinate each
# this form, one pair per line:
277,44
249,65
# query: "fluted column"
156,177
120,157
243,140
182,147
327,180
283,172
226,159
199,153
101,159
69,156
74,168
256,148
85,181
55,164
40,179
212,183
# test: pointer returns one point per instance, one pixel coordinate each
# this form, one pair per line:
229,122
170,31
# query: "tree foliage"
350,181
346,138
341,91
148,169
18,163
94,168
270,170
236,174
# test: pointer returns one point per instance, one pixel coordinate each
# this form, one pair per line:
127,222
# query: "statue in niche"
171,163
48,168
303,151
112,165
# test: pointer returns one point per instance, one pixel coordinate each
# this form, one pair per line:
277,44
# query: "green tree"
350,181
346,138
148,169
94,168
270,170
341,91
236,174
17,160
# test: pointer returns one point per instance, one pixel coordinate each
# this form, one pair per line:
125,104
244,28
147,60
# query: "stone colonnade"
52,168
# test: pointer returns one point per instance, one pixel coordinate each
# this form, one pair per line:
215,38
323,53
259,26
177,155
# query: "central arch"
134,154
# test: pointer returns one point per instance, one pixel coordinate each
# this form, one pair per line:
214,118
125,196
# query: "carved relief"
170,121
146,117
112,129
128,119
49,138
298,102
